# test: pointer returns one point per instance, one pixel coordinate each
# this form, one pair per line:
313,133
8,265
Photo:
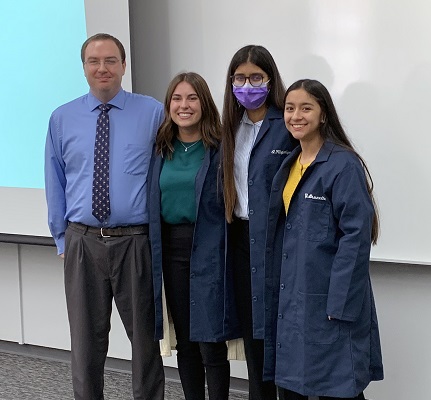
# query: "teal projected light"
40,70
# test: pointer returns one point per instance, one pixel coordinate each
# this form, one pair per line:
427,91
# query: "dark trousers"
289,395
96,271
254,348
194,359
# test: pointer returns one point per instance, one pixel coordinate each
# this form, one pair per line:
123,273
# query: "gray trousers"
97,270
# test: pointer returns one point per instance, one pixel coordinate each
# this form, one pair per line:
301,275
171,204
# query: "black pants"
194,359
289,395
96,271
254,348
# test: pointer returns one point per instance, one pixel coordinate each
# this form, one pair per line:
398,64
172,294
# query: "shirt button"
251,212
253,270
252,241
282,286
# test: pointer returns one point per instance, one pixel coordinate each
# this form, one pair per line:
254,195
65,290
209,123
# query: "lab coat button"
253,269
252,241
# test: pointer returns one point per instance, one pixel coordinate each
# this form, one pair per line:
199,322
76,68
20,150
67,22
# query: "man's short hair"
103,36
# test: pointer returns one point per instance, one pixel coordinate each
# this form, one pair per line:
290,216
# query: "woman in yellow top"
321,333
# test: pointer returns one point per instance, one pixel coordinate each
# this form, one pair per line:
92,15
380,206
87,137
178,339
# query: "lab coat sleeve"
353,210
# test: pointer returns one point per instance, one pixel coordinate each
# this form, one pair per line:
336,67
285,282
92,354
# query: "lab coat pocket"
316,327
314,220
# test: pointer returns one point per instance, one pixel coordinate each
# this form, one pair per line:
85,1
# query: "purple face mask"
251,97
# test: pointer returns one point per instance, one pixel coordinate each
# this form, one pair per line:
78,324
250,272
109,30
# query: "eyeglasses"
239,80
107,62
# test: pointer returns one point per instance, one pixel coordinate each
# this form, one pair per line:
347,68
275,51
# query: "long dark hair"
209,125
233,111
332,130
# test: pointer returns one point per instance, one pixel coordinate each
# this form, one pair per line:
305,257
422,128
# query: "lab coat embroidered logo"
313,197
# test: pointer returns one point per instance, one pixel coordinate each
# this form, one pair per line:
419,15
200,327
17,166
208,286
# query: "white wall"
371,54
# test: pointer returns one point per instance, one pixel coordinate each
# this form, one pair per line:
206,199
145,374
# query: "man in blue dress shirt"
106,258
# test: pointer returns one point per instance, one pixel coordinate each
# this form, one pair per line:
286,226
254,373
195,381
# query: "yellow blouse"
295,175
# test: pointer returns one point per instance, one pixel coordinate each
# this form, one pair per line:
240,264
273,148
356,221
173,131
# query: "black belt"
108,232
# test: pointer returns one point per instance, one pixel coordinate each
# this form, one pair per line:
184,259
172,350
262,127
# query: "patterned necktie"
100,198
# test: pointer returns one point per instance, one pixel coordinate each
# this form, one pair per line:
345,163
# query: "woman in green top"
187,232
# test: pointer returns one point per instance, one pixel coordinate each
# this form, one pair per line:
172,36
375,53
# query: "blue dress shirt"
69,159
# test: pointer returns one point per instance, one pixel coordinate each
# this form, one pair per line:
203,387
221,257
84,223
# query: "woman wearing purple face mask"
255,141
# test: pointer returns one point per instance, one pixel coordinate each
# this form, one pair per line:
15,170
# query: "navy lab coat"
272,144
212,308
317,265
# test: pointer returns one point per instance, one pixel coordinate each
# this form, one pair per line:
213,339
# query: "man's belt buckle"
102,235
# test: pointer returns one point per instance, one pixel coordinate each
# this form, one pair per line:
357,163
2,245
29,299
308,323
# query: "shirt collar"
246,120
118,101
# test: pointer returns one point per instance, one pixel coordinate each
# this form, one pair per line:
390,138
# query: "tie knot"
104,107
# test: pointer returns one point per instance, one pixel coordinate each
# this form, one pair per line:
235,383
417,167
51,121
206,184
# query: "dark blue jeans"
195,360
